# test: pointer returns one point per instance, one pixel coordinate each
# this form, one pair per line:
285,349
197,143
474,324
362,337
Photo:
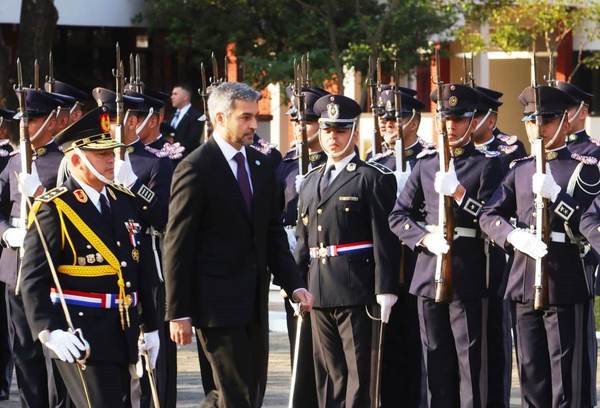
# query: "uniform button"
127,284
80,313
407,227
123,264
118,243
319,228
323,244
598,228
319,211
533,214
323,261
88,246
475,220
498,223
145,207
347,209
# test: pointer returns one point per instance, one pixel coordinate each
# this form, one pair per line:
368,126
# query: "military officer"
549,341
36,383
91,229
579,141
287,175
401,379
452,334
151,134
80,98
267,149
347,252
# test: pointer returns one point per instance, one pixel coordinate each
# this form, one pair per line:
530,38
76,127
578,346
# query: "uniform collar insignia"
80,196
551,155
457,151
40,151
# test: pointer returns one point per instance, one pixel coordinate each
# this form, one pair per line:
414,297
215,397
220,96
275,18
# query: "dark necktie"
243,180
104,207
324,183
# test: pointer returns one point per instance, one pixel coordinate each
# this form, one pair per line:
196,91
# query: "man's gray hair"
222,97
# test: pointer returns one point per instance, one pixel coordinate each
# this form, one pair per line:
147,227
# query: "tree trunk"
36,36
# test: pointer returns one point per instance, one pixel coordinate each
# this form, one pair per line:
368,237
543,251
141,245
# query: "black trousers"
6,362
342,345
499,357
453,341
550,348
401,364
305,393
107,384
39,385
238,358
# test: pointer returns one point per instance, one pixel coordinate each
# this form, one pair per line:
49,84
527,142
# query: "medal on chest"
133,228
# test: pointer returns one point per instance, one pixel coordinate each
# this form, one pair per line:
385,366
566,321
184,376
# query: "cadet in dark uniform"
452,335
305,394
550,341
579,141
267,149
348,254
92,230
7,135
36,384
401,379
80,98
151,134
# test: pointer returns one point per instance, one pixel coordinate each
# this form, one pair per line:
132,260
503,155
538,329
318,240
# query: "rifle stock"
119,75
373,86
300,77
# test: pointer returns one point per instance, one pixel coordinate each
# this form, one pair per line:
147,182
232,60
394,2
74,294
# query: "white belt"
459,232
559,237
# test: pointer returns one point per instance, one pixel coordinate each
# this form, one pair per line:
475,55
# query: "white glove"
435,243
14,237
29,183
446,182
527,243
386,301
291,237
402,178
298,182
124,172
545,185
67,346
150,343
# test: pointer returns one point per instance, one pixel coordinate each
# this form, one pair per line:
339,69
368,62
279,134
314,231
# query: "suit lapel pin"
257,162
351,166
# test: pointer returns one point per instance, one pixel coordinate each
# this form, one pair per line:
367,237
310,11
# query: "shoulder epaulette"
589,160
507,149
13,153
51,194
521,159
594,141
426,152
122,189
509,140
380,156
291,154
489,153
314,170
379,167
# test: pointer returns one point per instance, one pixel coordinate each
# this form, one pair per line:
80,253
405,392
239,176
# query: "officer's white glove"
446,182
67,346
527,243
298,182
150,343
435,243
402,178
386,301
291,237
14,237
545,185
29,183
124,172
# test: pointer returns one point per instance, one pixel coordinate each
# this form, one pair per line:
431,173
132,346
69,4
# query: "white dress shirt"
92,193
229,151
339,166
182,113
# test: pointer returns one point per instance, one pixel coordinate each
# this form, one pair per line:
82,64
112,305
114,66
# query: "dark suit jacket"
189,130
216,254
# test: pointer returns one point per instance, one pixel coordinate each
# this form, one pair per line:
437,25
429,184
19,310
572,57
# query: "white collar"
91,192
486,143
412,145
184,110
228,150
342,163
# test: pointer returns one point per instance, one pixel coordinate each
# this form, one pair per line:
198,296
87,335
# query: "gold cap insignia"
388,106
333,110
452,101
105,122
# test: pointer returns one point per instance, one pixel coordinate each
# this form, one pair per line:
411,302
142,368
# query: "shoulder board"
291,154
426,152
521,159
489,153
507,139
589,160
51,194
13,153
314,169
122,189
4,153
380,156
379,167
594,141
507,149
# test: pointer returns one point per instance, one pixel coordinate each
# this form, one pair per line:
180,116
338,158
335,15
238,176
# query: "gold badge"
81,261
91,258
130,149
551,156
40,151
80,196
333,110
458,151
99,258
305,220
351,166
409,152
112,194
105,122
135,254
452,101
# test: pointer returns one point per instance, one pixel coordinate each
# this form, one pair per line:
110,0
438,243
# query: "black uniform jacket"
480,176
354,209
101,327
216,253
567,282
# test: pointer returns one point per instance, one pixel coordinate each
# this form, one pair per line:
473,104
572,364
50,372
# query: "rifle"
373,86
139,85
215,80
49,85
132,79
302,145
542,214
118,73
443,267
472,72
36,75
399,147
203,92
225,65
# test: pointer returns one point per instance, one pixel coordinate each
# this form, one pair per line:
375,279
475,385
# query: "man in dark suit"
186,124
224,230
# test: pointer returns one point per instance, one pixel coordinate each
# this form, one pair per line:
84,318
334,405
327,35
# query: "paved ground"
189,385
